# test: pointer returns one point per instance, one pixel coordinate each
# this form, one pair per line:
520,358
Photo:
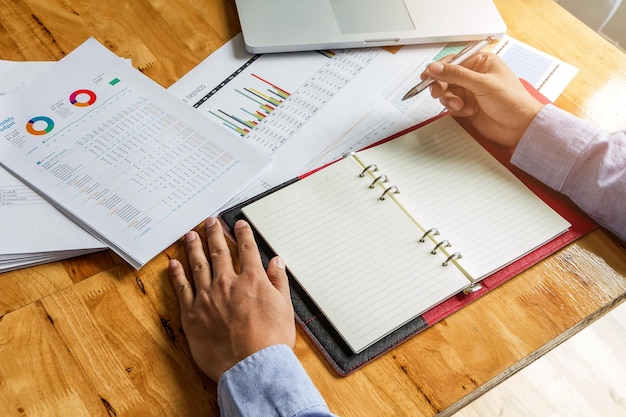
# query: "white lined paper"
360,259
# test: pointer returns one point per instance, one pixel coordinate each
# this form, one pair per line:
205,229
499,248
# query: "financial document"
118,154
548,74
306,109
32,231
303,109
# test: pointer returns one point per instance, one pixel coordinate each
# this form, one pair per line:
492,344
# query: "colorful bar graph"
327,53
266,98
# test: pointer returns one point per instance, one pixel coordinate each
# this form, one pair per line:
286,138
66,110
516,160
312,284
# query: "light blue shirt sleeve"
269,383
580,160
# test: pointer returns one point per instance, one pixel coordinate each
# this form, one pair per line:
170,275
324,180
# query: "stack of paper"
32,231
118,155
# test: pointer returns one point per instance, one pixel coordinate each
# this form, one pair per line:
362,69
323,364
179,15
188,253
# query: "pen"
470,50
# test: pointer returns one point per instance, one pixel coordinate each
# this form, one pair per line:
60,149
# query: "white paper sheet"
119,154
548,74
321,103
32,231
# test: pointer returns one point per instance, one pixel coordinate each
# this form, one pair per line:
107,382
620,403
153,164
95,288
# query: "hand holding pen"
487,94
470,50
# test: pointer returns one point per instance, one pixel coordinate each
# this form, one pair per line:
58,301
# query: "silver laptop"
298,25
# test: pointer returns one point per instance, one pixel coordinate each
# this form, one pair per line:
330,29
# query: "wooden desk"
91,336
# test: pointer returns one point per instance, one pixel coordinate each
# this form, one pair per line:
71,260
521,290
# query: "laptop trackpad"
358,16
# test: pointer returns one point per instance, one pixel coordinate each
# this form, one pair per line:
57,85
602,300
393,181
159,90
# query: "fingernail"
436,68
240,223
190,236
210,222
279,262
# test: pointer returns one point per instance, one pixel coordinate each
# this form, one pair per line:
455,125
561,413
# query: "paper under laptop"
298,25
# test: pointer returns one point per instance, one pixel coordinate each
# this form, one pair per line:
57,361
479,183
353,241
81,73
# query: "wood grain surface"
90,336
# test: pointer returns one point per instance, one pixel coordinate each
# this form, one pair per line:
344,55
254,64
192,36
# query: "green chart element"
450,49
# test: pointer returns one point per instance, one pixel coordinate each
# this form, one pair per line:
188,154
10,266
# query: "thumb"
278,276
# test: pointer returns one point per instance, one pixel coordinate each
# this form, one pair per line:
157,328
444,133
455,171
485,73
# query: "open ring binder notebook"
391,239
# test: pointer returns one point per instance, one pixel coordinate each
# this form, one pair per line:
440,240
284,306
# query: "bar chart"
267,109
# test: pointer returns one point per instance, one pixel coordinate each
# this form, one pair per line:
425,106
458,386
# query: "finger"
219,253
181,284
458,109
278,276
458,102
198,262
455,74
438,88
446,58
249,256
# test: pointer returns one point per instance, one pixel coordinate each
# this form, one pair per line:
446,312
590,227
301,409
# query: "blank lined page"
450,182
357,257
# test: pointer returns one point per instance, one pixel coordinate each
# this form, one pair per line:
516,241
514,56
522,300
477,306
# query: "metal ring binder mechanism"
382,178
432,231
443,243
371,167
456,255
476,286
393,189
473,286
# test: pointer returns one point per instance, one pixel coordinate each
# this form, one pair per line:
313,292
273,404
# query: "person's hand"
486,92
228,316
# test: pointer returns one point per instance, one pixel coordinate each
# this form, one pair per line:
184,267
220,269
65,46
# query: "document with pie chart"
120,155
